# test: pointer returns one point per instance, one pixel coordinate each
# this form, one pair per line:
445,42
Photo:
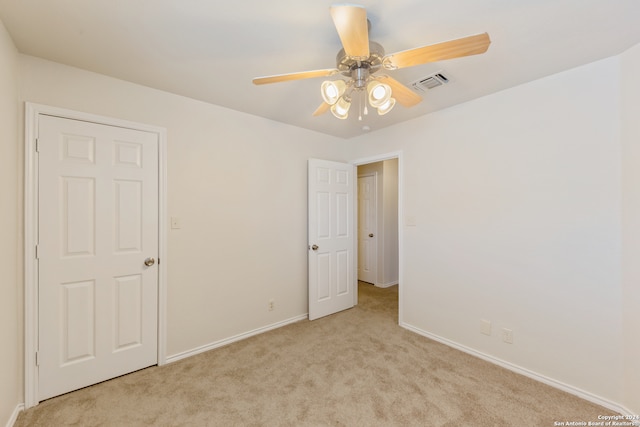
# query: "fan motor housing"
346,64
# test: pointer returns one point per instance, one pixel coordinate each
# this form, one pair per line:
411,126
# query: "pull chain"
362,105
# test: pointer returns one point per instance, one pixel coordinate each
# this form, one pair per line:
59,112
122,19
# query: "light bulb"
379,93
332,90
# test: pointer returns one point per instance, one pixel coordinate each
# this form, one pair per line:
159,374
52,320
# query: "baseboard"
14,416
523,371
239,337
387,285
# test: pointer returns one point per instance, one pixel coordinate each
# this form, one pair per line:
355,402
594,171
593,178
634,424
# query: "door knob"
149,262
314,247
370,234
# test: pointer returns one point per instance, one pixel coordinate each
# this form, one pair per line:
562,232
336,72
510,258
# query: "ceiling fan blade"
294,76
465,46
353,29
405,96
323,108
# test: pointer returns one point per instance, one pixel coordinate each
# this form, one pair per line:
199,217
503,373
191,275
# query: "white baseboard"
14,416
239,337
387,285
523,371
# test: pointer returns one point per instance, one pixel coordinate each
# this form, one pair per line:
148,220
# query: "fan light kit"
360,59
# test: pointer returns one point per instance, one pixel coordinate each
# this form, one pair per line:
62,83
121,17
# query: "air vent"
430,82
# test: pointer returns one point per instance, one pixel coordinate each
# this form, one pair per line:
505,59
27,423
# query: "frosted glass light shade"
379,93
386,107
332,90
341,108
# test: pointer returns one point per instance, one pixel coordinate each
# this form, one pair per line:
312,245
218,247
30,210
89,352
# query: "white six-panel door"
97,224
367,224
331,237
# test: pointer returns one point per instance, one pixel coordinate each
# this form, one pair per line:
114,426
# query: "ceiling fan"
361,59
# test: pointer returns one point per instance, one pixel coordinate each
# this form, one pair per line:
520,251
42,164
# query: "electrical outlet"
507,335
485,326
272,305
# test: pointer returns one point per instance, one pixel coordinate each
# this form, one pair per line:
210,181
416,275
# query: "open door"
332,276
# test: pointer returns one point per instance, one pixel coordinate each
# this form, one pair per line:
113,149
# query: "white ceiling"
210,50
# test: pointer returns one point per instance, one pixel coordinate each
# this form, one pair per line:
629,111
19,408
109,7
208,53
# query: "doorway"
386,173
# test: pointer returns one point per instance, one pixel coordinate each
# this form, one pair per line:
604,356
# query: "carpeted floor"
354,368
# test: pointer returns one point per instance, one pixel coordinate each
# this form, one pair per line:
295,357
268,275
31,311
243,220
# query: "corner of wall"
10,259
630,228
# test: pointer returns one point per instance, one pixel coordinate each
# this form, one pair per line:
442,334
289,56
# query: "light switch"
410,221
485,326
176,223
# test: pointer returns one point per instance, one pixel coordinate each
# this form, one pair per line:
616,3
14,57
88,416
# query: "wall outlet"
507,335
272,305
485,326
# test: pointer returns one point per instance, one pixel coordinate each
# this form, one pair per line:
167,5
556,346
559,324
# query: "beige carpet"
355,368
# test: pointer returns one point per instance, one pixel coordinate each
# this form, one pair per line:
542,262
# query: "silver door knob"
149,262
370,234
314,247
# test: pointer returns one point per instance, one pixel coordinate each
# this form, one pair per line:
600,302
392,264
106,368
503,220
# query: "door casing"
32,113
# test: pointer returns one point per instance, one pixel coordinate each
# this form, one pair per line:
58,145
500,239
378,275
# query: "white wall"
630,136
10,276
516,197
237,182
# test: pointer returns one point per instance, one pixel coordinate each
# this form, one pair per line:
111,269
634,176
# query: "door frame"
31,167
378,158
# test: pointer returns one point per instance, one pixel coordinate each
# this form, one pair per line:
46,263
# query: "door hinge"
37,255
37,146
37,361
